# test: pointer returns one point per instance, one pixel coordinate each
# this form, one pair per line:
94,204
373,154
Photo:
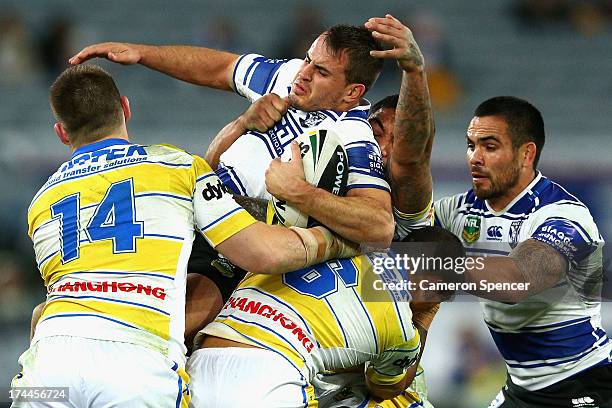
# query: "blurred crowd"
587,17
26,54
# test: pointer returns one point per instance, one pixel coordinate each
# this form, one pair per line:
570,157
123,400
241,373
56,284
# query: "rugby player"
556,351
535,233
240,317
112,230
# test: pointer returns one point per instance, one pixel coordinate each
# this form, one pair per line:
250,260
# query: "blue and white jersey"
243,165
556,333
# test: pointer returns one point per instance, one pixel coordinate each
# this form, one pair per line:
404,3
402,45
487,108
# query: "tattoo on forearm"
415,56
413,118
540,264
255,206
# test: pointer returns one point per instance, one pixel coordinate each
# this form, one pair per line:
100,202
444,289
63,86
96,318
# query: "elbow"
259,267
270,264
386,392
376,231
383,233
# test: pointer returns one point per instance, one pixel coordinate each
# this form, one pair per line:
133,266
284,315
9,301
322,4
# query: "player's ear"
125,105
528,153
61,133
354,92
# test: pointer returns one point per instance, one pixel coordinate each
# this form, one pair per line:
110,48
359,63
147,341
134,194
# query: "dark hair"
86,101
524,120
437,243
387,102
452,245
361,68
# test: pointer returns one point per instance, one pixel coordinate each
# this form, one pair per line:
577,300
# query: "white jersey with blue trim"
242,167
556,333
112,230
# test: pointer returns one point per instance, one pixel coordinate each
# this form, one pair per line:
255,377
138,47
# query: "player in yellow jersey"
112,230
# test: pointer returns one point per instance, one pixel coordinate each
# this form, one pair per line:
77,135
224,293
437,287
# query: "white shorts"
102,373
245,377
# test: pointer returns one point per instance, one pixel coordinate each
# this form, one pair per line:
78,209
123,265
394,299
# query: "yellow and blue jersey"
112,230
322,318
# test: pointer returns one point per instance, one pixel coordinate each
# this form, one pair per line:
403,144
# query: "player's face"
320,83
382,122
492,160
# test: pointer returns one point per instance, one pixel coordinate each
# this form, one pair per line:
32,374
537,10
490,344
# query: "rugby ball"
325,166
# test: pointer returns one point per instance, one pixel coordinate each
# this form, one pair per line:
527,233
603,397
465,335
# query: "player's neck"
501,202
345,106
119,134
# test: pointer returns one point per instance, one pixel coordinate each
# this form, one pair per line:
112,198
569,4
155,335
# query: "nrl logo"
471,229
312,119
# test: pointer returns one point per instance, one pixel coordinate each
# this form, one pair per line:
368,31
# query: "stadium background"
555,53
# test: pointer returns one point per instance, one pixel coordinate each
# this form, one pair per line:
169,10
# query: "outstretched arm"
274,249
533,263
197,65
409,171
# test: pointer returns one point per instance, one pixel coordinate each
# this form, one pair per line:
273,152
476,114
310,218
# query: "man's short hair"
450,246
357,42
387,102
86,101
524,120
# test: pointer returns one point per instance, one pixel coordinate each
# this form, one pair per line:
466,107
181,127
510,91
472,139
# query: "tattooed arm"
408,167
257,207
536,264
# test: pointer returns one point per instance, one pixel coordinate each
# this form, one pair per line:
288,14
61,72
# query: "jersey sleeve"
404,223
400,349
364,157
242,167
568,228
217,215
256,75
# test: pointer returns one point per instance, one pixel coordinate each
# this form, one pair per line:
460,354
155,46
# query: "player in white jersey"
325,89
112,230
239,316
550,336
543,251
403,127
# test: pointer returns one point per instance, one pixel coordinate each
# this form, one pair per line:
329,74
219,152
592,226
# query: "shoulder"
169,153
358,115
448,210
553,201
175,157
455,202
257,74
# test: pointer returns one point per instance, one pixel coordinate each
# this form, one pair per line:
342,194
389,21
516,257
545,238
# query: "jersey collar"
99,145
527,192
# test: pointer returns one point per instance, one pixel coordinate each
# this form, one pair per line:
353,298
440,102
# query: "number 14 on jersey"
114,218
